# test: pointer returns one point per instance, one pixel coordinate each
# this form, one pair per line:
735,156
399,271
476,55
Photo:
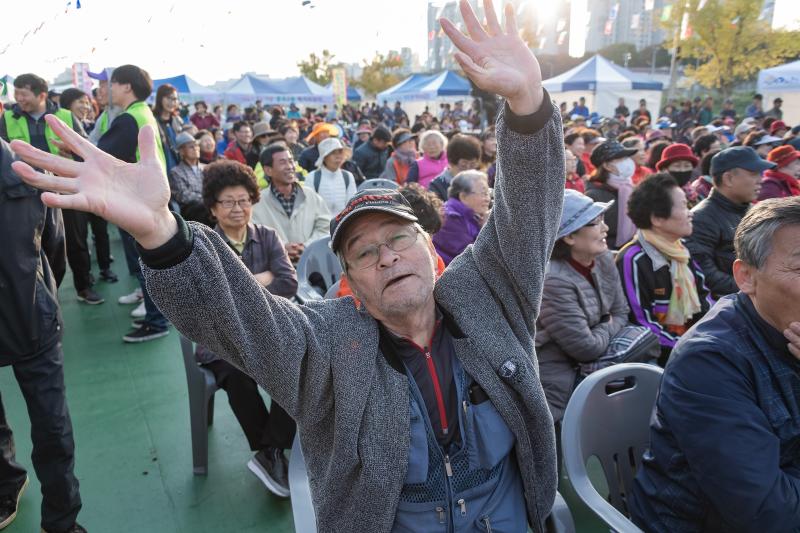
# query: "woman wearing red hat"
679,161
781,181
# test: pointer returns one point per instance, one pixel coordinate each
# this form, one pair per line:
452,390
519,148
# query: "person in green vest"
30,320
25,122
109,112
25,119
130,87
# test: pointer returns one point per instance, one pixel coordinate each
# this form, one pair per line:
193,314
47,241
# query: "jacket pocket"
418,447
489,440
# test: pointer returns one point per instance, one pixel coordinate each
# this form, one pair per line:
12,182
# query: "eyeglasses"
228,204
369,255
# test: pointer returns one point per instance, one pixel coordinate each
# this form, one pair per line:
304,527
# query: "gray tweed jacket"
322,361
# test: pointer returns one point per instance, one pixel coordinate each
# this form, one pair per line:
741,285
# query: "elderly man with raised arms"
421,409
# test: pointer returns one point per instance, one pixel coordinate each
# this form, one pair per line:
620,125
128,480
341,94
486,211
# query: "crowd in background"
645,245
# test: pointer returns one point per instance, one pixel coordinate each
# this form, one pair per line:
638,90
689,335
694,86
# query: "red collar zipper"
437,389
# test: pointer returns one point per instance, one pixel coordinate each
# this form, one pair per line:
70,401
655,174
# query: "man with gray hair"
723,445
421,409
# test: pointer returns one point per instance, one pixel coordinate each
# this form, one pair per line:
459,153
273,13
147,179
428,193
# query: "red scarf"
780,177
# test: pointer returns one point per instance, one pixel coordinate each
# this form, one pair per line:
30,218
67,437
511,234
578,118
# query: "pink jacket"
430,168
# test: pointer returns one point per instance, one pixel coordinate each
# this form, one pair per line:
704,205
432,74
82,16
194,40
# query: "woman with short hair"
433,145
465,211
229,191
663,284
79,104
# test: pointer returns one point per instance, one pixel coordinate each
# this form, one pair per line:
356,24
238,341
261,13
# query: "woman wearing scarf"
781,181
405,154
679,161
664,286
612,180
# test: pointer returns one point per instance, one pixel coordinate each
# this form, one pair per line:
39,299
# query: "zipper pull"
465,406
463,506
440,510
447,466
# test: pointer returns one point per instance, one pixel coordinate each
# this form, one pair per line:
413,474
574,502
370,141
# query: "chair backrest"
377,183
608,417
305,518
319,258
333,290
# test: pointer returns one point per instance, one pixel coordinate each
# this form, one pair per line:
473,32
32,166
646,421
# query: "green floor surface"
130,415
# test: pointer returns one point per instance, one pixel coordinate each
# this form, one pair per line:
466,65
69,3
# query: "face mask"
625,169
682,177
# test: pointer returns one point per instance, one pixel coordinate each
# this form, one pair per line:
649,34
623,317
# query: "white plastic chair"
305,518
377,183
317,258
608,417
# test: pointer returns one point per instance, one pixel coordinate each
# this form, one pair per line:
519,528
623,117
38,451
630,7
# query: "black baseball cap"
738,157
610,150
370,201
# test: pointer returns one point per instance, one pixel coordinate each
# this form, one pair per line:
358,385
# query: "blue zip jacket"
725,438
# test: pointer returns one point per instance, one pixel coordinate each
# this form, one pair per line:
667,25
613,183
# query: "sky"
215,40
209,40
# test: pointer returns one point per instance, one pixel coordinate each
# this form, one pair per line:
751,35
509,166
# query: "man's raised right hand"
132,196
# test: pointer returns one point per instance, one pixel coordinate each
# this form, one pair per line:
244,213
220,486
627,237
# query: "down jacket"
575,324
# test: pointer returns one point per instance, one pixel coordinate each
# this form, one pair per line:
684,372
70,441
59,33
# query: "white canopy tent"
783,81
603,83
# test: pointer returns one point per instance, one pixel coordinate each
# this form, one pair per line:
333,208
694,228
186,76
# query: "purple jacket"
459,230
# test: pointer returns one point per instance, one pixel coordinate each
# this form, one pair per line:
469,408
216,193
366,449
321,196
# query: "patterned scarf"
684,302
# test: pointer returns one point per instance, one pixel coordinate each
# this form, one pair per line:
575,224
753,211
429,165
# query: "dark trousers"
263,429
153,318
102,246
41,380
75,232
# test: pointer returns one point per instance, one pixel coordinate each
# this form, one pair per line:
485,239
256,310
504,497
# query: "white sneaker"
139,312
133,298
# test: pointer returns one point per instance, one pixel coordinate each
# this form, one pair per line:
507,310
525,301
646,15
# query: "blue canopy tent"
187,88
298,89
603,83
427,87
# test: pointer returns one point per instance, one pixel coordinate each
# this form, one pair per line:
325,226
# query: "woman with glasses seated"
229,192
583,306
465,211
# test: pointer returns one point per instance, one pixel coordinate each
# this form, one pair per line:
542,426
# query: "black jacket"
370,160
711,243
308,158
32,239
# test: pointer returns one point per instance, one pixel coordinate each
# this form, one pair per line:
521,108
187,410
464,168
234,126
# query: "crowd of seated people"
660,231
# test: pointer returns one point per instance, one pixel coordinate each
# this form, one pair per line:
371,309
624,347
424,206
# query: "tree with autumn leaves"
729,40
378,74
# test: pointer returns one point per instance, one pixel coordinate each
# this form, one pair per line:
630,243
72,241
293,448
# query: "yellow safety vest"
17,128
142,114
